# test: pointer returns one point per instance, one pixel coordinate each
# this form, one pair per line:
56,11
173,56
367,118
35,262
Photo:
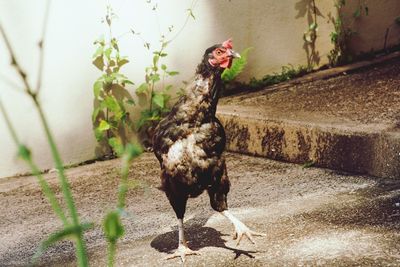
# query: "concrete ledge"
363,149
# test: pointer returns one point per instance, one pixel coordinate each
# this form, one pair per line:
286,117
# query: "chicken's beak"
234,54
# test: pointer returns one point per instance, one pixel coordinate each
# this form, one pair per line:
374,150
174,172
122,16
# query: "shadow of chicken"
189,144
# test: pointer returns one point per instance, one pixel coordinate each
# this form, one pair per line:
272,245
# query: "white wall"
274,28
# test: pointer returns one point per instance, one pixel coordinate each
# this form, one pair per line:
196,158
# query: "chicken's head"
221,55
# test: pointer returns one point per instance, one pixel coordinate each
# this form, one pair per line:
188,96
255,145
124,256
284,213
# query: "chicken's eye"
219,52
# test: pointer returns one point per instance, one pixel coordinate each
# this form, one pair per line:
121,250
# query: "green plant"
310,35
158,100
237,67
71,225
110,116
112,226
287,73
155,90
341,35
111,119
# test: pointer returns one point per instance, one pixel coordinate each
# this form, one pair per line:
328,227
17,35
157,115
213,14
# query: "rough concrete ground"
348,122
312,217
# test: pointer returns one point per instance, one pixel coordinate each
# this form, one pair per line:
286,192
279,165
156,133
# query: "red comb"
228,44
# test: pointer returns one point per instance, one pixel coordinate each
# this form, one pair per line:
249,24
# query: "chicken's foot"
240,228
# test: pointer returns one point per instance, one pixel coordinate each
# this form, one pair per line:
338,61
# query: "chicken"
189,144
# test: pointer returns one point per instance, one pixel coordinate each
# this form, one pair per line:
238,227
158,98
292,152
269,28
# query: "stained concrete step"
350,122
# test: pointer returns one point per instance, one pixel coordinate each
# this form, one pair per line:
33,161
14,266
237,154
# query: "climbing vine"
341,34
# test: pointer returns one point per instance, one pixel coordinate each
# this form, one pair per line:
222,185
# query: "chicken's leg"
183,249
240,228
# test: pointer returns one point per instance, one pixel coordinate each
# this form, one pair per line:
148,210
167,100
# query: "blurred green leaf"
97,87
191,13
313,26
116,145
112,226
108,52
99,52
122,62
154,77
172,73
104,126
133,150
67,232
142,89
99,62
159,100
130,102
95,113
155,60
24,152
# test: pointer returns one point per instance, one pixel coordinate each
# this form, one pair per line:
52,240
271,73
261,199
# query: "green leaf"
122,62
155,60
67,232
97,87
128,82
99,52
172,73
112,226
98,134
108,52
114,44
191,13
163,67
313,26
237,66
116,145
357,13
111,103
130,102
99,62
133,150
95,113
104,126
154,77
24,152
163,54
159,100
115,107
142,89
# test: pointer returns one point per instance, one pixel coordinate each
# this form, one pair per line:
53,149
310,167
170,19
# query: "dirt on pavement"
311,217
364,96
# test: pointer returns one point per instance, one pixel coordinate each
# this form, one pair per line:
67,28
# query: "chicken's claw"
182,252
242,230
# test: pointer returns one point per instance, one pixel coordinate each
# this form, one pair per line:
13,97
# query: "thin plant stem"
112,247
14,61
41,44
192,6
123,188
80,243
35,171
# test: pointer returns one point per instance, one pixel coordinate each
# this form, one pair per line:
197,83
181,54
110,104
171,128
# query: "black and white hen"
189,145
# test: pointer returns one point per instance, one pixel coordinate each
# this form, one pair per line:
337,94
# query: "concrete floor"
312,217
